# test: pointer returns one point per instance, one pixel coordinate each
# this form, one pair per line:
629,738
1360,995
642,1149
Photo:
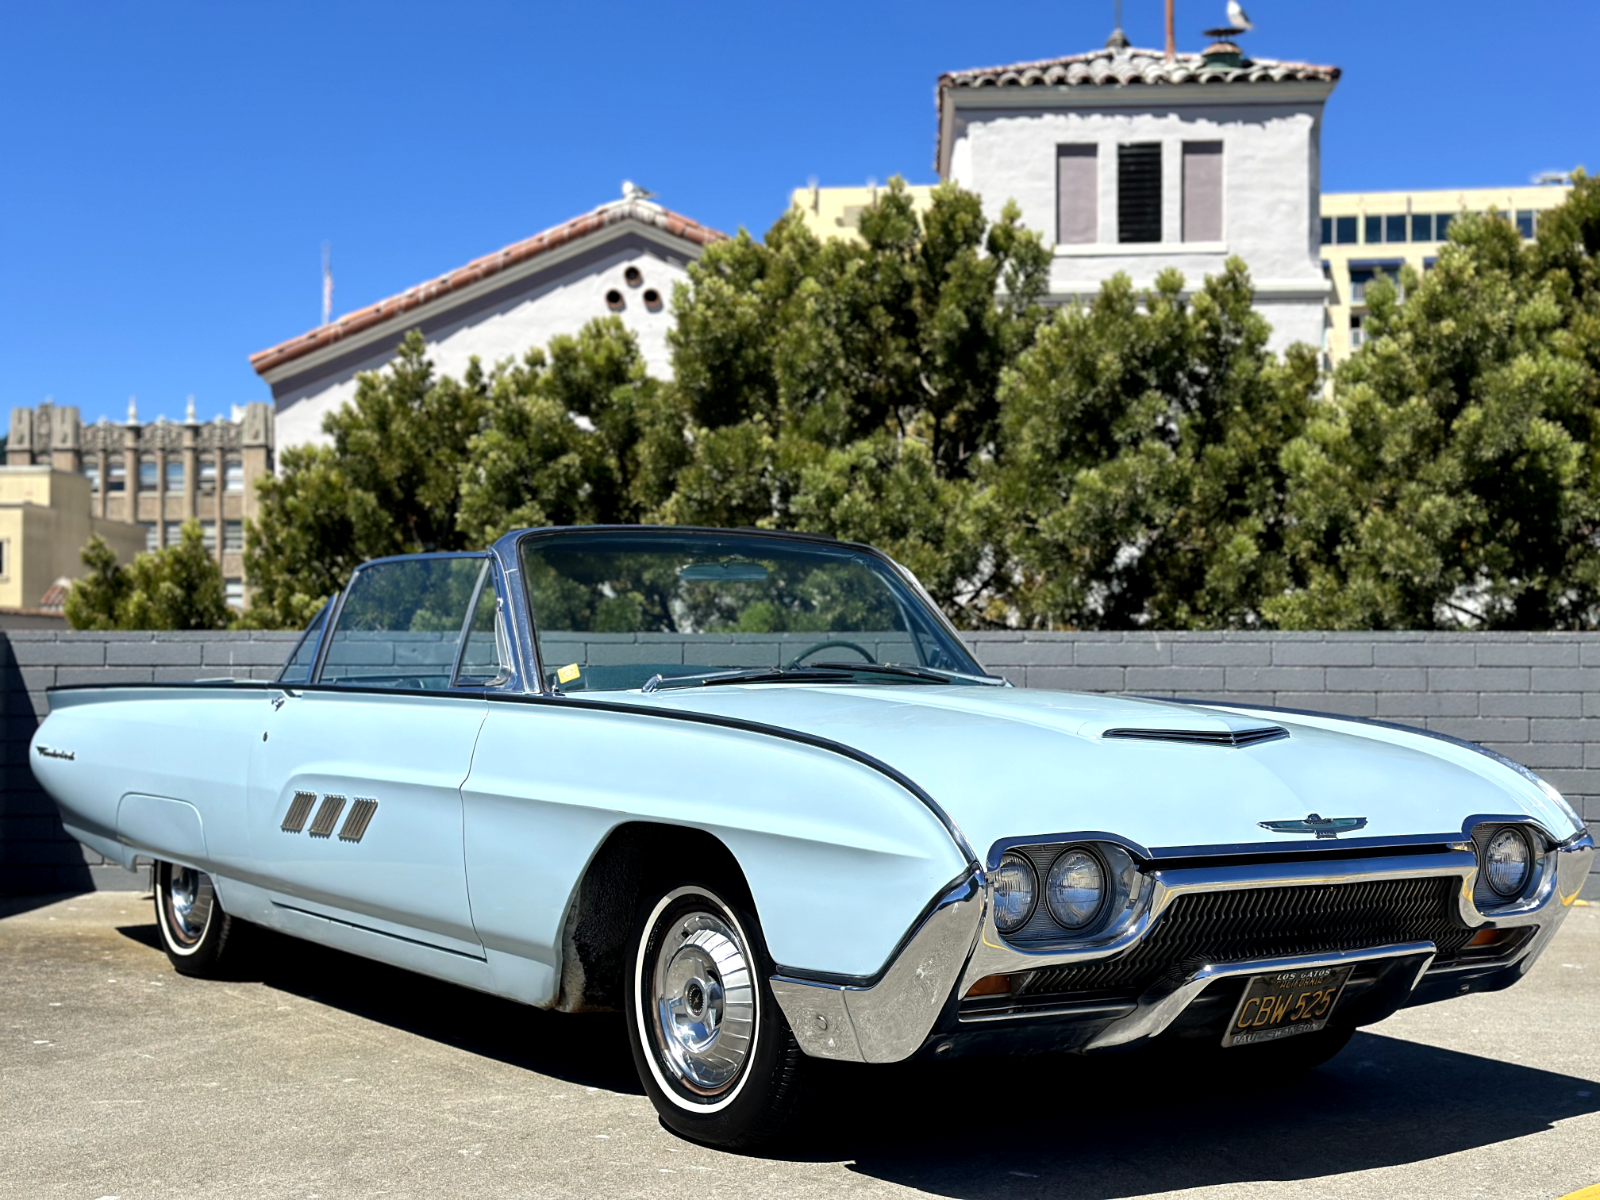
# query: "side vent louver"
1201,737
299,809
327,816
355,825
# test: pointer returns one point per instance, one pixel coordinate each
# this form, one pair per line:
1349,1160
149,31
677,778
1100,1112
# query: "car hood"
1007,763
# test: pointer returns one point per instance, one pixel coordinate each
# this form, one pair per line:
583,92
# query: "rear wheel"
712,1048
196,933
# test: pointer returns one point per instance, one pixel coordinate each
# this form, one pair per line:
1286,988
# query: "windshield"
615,609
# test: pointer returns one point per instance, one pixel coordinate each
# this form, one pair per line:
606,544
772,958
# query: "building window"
1344,229
149,474
1077,195
1422,227
233,592
116,476
174,474
1441,226
1526,222
92,471
1327,231
1373,234
233,537
152,535
208,536
1139,192
208,476
5,558
1357,336
1202,191
1394,228
174,534
233,476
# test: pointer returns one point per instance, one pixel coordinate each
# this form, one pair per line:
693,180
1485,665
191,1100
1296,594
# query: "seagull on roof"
1237,17
632,191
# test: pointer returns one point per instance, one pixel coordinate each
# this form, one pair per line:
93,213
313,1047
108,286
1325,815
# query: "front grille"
1219,927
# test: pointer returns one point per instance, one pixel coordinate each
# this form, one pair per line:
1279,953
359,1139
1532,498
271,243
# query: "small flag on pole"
327,283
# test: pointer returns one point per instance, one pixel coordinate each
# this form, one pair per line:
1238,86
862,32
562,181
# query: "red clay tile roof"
1107,68
483,268
54,599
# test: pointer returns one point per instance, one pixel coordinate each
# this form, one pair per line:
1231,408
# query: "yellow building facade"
46,518
1365,234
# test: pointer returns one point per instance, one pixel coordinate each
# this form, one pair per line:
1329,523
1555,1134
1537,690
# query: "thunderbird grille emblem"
1323,827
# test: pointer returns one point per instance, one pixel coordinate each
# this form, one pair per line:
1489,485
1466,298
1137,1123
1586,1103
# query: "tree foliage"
1140,460
1455,480
179,587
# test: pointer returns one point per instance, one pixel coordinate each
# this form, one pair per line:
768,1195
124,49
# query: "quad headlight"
1075,889
1507,862
1016,891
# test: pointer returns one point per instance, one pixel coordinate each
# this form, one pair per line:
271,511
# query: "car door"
354,793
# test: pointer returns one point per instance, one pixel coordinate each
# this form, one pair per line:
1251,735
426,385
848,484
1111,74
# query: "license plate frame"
1282,1004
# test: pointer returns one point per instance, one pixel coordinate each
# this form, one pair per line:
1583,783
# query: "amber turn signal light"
991,985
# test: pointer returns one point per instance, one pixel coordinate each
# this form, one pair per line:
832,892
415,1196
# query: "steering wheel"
810,650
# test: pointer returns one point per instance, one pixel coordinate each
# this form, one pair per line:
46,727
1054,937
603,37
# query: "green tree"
578,435
851,387
1138,479
1455,479
179,587
388,484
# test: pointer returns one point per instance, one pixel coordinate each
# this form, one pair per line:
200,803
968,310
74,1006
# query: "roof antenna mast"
1172,40
327,282
1118,40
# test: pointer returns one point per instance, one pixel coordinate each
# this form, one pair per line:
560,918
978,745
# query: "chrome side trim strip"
889,1020
1159,1007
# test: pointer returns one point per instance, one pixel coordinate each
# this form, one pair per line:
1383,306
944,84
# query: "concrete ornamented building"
623,258
1135,161
156,475
1365,234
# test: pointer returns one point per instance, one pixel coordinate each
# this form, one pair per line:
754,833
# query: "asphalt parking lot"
321,1075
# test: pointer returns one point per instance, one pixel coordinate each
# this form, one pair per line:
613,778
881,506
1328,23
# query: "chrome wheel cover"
188,901
703,1002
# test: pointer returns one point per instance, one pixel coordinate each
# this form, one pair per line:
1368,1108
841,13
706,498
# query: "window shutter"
1139,192
1077,195
1202,191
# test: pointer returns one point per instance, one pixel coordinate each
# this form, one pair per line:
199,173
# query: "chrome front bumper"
956,944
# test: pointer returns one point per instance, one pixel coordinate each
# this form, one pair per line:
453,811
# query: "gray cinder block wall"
1534,697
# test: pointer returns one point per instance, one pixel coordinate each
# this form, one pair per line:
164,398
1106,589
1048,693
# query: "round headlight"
1075,889
1507,861
1016,890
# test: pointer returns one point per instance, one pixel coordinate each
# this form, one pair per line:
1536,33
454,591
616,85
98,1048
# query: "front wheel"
714,1052
195,931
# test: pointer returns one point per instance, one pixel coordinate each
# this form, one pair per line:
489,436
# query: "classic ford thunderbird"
751,789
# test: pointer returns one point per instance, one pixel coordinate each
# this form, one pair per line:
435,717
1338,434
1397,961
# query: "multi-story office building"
1365,234
161,473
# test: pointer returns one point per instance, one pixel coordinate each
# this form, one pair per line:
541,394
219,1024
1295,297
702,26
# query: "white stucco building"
622,258
1132,160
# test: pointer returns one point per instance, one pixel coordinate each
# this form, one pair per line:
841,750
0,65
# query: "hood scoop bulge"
1201,737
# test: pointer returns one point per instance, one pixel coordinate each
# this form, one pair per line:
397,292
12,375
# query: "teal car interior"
752,790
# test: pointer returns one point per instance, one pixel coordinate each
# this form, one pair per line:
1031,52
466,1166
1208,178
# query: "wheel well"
633,859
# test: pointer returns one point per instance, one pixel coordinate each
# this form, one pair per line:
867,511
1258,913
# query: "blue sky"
172,170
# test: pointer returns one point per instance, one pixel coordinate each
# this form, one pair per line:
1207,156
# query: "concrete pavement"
322,1075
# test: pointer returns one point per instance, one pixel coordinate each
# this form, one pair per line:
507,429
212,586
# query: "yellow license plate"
1285,1003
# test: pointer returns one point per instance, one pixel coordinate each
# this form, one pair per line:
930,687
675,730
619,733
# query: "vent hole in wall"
633,276
652,300
614,300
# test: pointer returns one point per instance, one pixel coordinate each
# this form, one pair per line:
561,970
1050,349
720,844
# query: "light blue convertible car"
751,789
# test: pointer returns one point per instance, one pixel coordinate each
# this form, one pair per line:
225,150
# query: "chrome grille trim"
1201,737
355,825
327,816
299,809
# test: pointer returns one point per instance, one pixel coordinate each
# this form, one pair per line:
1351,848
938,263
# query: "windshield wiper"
932,674
658,683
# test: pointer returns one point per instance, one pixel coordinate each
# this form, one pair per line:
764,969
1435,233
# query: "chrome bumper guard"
957,944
